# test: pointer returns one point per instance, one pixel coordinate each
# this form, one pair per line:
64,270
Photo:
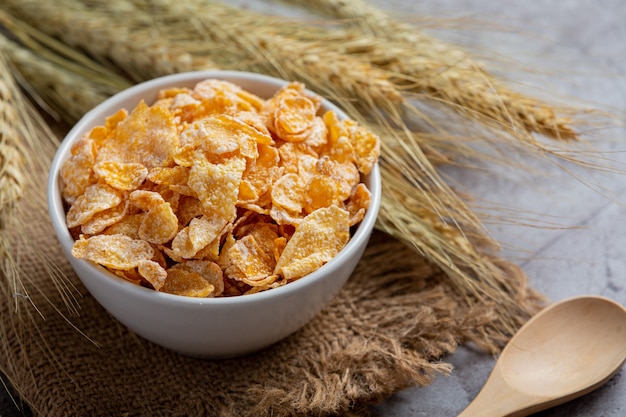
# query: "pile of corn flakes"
213,191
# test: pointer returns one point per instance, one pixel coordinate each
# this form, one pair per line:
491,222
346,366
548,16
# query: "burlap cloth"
389,328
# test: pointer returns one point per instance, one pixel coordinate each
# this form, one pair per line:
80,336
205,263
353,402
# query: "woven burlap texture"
389,328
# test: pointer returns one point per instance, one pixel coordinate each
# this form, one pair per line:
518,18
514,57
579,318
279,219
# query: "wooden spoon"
567,350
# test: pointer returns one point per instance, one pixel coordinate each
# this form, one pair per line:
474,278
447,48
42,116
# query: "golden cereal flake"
146,200
358,203
367,147
294,118
147,136
159,225
181,281
288,193
101,220
122,176
217,186
208,270
320,236
77,172
249,261
198,234
97,198
176,175
127,225
113,251
152,272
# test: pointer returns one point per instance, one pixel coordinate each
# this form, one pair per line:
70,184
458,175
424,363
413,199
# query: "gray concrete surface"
569,48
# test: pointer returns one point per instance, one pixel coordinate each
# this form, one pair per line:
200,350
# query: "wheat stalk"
26,149
338,39
11,158
67,93
446,72
27,145
66,81
12,169
139,49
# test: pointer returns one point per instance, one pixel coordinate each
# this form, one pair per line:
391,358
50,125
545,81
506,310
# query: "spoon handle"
498,399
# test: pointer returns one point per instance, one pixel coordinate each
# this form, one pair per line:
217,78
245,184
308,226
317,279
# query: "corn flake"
101,220
147,136
320,236
288,193
113,251
199,233
159,225
122,176
217,186
77,173
97,198
128,225
181,281
248,262
294,118
153,272
208,270
358,203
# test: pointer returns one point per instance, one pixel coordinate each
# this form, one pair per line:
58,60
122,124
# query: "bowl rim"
57,212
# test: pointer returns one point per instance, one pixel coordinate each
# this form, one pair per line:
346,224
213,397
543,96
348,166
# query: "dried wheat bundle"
418,207
336,38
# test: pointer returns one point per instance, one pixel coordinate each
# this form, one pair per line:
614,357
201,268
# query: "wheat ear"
32,145
132,48
26,148
446,72
67,93
12,180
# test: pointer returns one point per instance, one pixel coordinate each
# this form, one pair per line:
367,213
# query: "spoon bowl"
567,350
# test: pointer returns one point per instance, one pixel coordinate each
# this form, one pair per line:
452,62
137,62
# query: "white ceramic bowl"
214,327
